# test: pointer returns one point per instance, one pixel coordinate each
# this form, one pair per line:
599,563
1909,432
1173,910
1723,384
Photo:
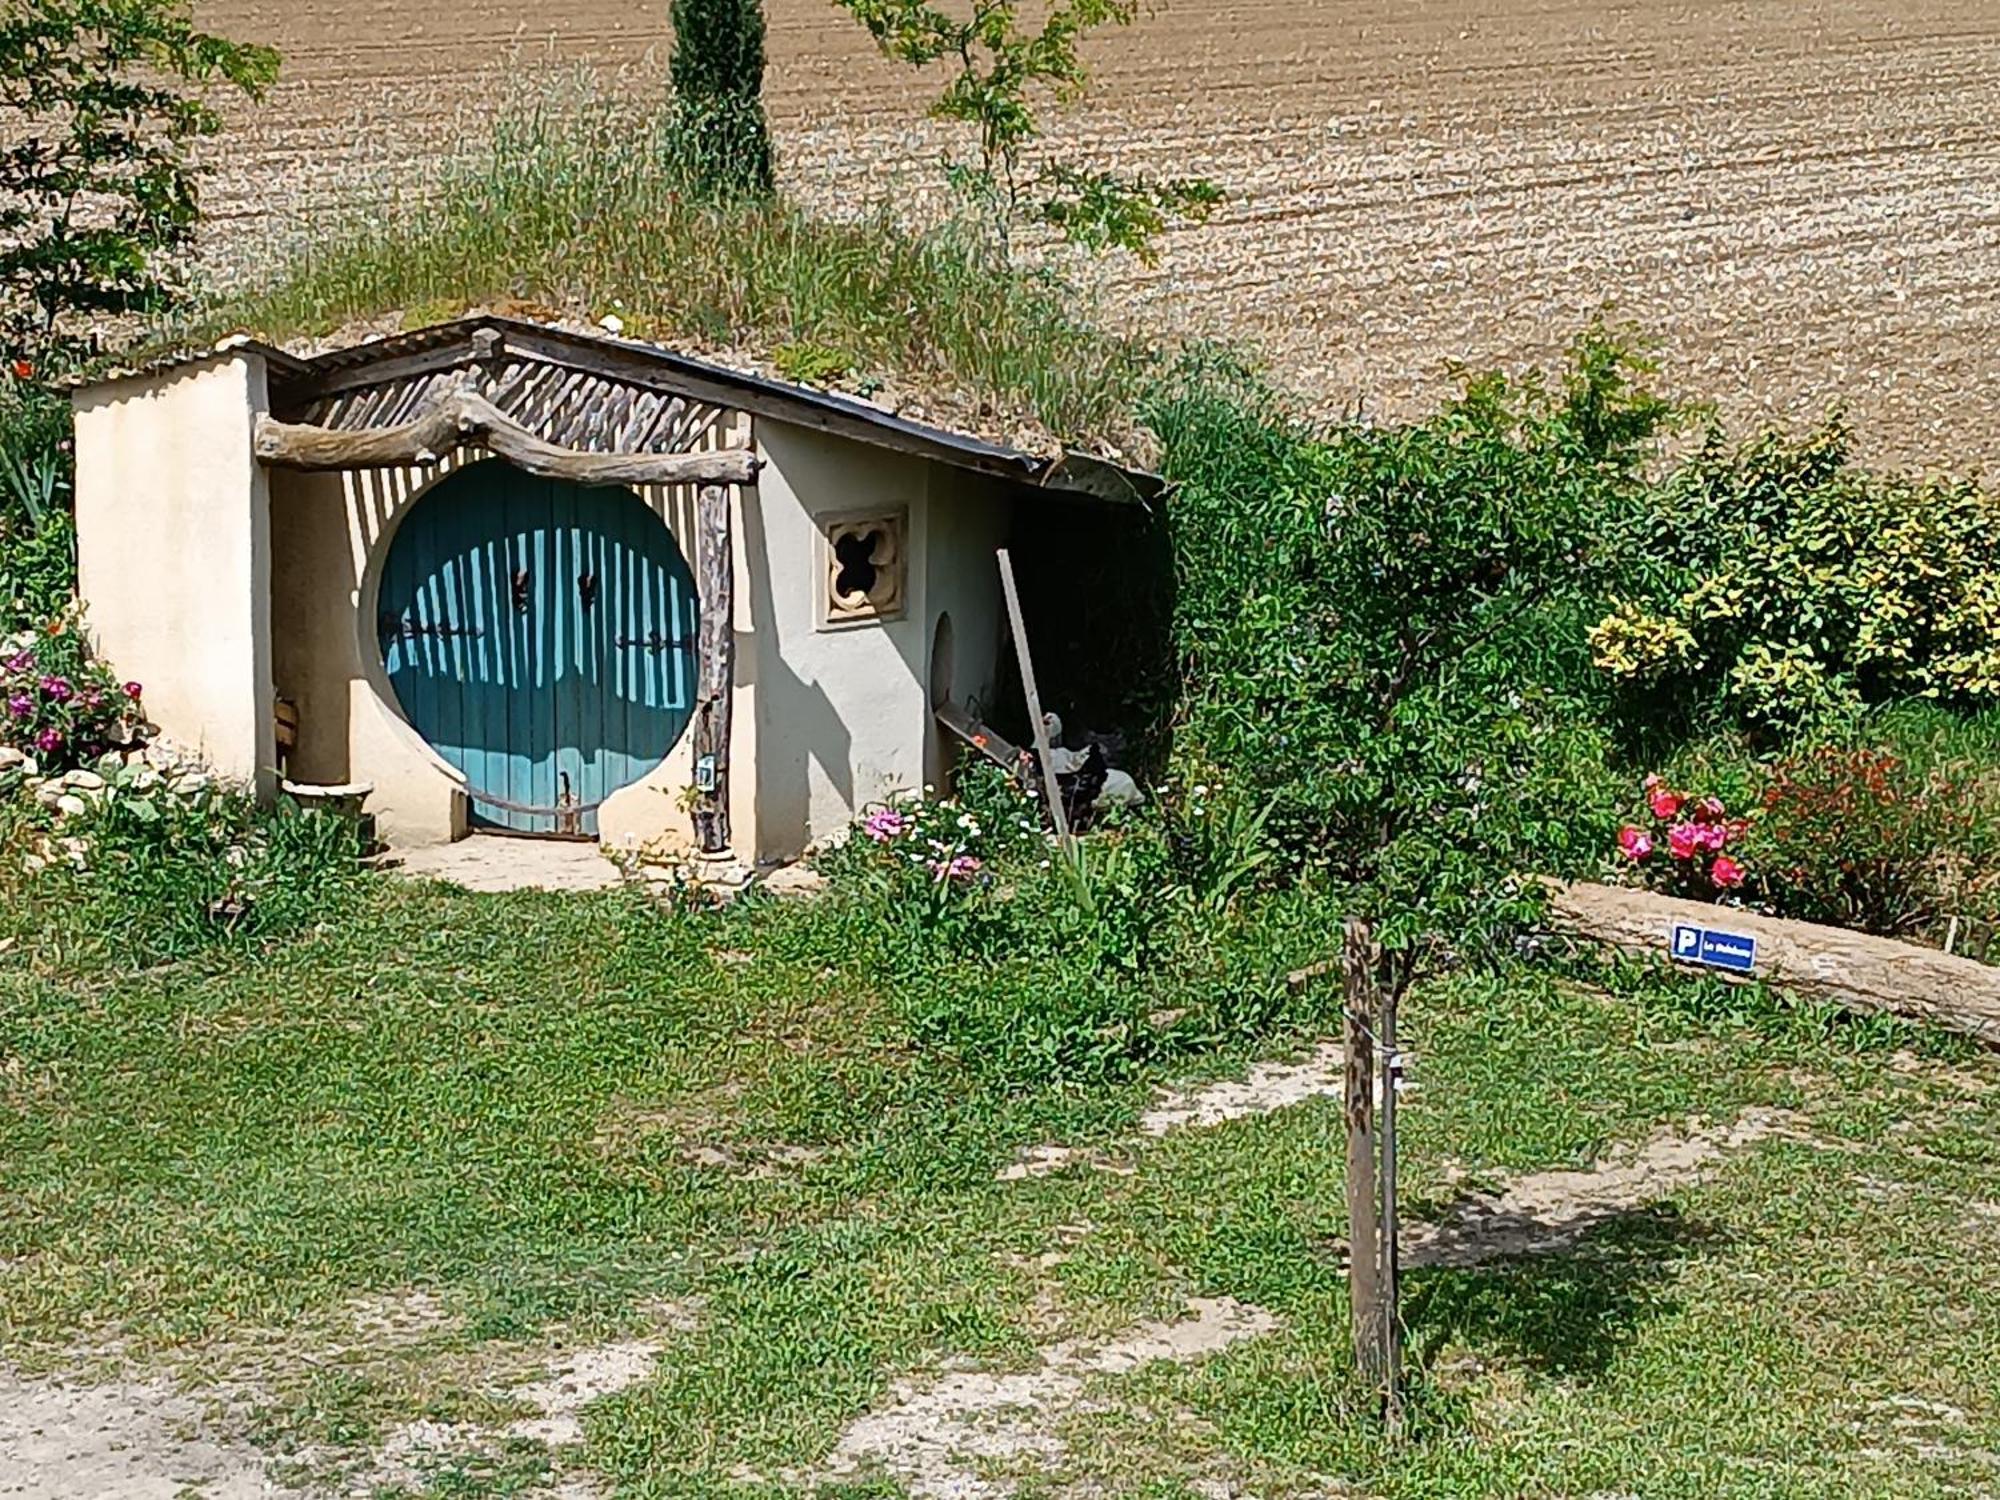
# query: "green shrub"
1861,838
1793,588
718,75
58,703
1380,631
37,531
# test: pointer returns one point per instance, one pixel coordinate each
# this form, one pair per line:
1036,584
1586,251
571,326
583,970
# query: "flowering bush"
1862,838
1694,833
60,704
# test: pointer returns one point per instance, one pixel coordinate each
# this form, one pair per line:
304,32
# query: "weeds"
932,312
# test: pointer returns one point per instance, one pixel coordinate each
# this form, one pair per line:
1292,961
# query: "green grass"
932,313
493,1099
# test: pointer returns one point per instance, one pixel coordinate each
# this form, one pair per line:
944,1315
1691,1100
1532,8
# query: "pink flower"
20,705
49,740
1710,836
1665,804
1654,779
20,661
132,691
57,689
959,867
1710,810
885,825
1681,841
1726,872
1636,843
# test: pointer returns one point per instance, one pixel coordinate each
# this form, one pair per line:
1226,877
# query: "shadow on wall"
1097,597
797,721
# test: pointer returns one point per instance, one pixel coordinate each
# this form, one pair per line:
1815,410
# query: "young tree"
718,75
1000,71
100,101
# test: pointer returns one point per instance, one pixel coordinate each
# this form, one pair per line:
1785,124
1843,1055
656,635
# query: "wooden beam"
715,666
1042,747
465,419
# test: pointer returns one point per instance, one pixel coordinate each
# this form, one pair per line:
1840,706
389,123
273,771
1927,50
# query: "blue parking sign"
1713,948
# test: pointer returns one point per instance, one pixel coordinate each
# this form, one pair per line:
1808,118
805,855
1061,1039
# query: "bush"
60,704
37,532
1685,845
1381,638
718,74
1862,838
1793,588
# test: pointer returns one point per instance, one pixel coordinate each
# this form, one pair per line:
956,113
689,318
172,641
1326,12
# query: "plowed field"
1802,198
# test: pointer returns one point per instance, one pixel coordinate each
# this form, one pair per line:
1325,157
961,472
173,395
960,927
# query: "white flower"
1201,791
612,323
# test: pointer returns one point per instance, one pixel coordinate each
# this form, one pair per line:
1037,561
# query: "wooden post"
1364,1240
1392,1307
715,666
1056,813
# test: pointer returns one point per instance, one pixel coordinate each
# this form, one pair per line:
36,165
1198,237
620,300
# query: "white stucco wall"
840,712
173,553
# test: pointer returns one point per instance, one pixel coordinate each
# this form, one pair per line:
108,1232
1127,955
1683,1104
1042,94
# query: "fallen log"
1850,969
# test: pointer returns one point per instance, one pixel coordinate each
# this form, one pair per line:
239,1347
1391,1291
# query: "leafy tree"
718,75
1001,69
1382,633
100,101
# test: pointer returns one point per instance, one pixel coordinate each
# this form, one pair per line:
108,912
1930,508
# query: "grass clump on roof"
582,202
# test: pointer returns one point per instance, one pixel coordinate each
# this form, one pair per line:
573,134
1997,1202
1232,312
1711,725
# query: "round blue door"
541,637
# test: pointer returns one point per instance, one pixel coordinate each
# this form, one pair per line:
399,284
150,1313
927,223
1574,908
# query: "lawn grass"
556,1114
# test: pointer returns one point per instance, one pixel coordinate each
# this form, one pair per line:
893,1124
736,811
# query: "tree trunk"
715,666
1364,1232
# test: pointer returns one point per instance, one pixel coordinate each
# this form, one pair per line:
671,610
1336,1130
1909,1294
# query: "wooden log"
463,418
1850,969
715,664
1364,1229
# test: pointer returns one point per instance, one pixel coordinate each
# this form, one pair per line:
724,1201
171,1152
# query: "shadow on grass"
1566,1313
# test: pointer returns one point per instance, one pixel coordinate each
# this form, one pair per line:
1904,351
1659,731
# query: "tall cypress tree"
718,76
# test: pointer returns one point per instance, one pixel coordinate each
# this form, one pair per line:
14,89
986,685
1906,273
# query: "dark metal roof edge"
186,359
765,396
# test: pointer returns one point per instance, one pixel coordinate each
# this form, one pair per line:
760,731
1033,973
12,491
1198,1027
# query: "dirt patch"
1267,1088
136,1440
1545,1211
937,1436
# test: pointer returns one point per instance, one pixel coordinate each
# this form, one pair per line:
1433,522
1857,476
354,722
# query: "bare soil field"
1802,197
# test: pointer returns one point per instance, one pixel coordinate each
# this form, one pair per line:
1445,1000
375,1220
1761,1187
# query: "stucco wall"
173,553
840,712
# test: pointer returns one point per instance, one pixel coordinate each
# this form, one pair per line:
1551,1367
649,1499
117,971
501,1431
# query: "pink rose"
1710,810
132,691
49,740
1726,873
1710,836
1681,841
1665,804
1635,842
